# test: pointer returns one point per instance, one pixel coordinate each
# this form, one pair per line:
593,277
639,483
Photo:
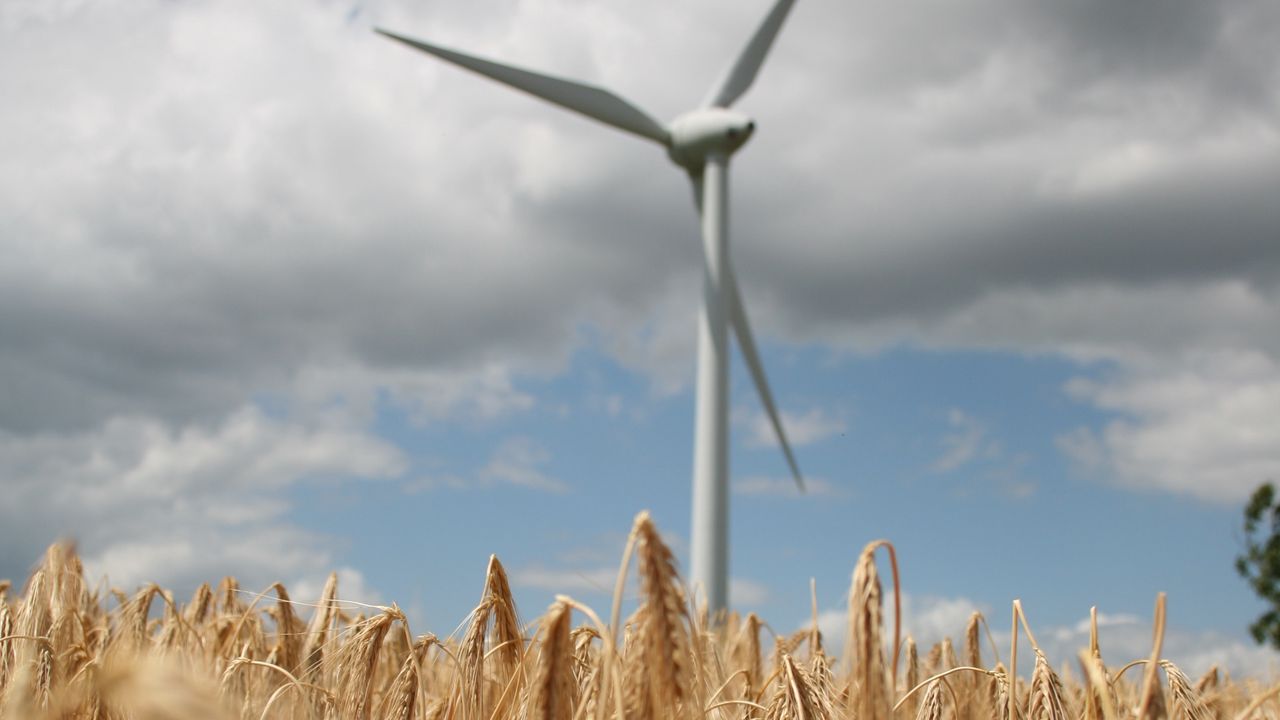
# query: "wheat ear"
664,641
553,690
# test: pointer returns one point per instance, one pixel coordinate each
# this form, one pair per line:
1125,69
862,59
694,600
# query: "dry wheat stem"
1150,679
939,676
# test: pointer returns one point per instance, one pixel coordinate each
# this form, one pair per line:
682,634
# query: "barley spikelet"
585,654
318,631
796,698
1186,703
1000,690
746,654
289,631
589,695
787,645
197,611
66,596
1046,701
865,648
553,690
357,661
823,681
973,641
932,707
976,688
664,642
6,644
933,660
228,597
402,697
131,632
506,642
172,628
637,699
637,696
34,655
949,659
469,686
912,703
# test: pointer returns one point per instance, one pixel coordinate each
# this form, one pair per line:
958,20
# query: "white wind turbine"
700,141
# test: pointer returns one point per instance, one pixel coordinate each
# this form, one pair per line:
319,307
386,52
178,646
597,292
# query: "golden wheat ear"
1186,702
326,612
869,677
402,697
356,664
507,641
552,696
663,633
289,631
797,695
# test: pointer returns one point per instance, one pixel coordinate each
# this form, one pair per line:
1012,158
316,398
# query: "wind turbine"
701,141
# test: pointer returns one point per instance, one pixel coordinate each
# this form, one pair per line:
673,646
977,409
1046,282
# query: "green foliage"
1260,563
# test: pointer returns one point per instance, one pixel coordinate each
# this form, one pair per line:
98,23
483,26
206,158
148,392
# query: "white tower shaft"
710,550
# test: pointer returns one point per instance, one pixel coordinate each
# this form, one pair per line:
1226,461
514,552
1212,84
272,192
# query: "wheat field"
68,651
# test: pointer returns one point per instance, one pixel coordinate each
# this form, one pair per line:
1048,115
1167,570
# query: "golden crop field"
68,651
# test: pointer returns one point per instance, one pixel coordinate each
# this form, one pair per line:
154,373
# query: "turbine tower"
701,142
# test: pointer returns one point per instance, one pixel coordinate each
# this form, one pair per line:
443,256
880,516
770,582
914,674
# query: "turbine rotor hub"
709,131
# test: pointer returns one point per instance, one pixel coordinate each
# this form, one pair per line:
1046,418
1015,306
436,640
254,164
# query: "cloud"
926,618
968,436
1200,428
811,427
180,506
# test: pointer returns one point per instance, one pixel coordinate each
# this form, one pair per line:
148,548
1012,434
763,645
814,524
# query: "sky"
280,297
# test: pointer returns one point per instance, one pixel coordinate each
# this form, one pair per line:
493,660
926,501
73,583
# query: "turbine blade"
589,100
742,73
746,341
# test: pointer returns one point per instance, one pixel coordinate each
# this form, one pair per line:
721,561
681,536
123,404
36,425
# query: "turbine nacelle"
700,134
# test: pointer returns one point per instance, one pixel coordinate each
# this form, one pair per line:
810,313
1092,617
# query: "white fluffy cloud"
967,437
927,619
181,506
1204,428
